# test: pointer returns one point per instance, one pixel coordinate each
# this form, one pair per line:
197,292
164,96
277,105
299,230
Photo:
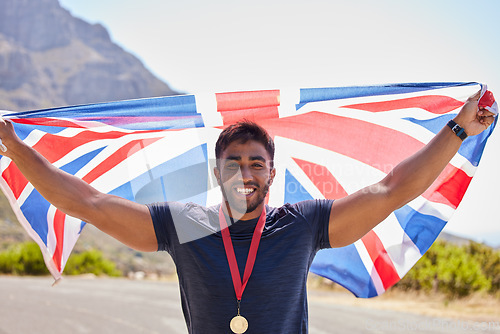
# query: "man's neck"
242,216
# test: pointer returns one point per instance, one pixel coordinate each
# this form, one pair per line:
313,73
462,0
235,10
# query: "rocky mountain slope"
50,58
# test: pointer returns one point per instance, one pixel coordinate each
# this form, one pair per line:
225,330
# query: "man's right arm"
127,221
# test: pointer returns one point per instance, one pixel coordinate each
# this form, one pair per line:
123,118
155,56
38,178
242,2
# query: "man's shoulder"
191,221
300,207
177,207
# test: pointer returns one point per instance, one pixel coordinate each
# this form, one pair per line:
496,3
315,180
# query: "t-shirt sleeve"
317,214
161,214
177,223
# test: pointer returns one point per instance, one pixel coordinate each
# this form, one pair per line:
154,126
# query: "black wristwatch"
457,129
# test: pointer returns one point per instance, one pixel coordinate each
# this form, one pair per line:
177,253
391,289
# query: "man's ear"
271,177
217,175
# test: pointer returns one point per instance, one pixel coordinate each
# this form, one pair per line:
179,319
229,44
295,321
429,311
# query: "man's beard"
239,206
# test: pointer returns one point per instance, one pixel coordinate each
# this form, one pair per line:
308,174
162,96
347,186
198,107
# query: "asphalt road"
79,305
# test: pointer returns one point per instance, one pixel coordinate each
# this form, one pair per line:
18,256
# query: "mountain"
49,58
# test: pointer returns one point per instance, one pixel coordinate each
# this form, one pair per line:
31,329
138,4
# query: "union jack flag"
330,142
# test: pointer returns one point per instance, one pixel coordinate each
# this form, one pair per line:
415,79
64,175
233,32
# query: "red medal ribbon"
239,286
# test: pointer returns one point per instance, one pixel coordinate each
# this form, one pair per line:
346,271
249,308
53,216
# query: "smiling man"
249,277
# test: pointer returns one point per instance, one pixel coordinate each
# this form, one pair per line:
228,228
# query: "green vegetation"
26,259
456,271
448,270
91,261
23,259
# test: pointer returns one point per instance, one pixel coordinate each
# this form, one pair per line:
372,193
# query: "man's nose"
246,173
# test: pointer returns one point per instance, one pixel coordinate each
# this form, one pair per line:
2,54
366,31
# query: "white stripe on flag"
206,105
370,268
51,235
398,245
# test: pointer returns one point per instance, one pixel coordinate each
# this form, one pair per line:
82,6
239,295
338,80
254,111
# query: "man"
250,277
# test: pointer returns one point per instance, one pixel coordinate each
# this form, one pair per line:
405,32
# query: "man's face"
245,175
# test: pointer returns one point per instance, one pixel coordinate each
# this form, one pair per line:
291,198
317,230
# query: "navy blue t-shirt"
275,298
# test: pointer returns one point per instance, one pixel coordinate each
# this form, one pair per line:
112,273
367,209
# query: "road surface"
82,305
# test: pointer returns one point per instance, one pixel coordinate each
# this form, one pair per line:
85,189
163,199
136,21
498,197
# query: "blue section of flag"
348,272
35,210
23,130
171,112
124,191
186,177
434,124
336,93
472,147
294,191
422,229
179,105
74,166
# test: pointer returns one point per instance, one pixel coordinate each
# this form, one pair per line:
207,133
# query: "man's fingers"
4,121
475,97
2,146
487,120
485,113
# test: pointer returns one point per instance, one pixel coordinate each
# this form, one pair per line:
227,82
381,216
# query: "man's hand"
8,136
474,121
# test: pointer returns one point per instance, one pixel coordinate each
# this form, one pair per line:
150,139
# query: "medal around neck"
238,324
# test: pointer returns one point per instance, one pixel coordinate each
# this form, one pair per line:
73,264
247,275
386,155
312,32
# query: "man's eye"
233,166
258,166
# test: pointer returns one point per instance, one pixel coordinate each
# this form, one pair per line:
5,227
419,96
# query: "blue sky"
224,45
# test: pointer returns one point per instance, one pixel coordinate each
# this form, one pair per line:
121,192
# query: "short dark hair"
244,131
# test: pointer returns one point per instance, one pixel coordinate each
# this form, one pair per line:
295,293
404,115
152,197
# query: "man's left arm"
354,215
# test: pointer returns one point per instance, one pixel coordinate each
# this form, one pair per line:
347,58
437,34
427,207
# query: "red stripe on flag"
16,181
59,218
381,260
450,187
131,119
326,183
254,115
247,100
118,156
436,104
47,122
54,147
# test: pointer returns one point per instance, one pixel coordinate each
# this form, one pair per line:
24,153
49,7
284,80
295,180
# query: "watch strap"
457,129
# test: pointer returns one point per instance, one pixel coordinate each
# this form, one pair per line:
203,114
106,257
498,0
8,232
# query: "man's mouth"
245,191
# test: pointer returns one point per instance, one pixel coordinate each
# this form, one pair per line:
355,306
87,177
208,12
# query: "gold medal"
238,324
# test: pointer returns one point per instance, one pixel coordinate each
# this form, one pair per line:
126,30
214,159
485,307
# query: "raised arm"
356,214
124,220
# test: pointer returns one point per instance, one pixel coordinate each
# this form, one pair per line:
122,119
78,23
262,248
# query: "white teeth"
245,191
